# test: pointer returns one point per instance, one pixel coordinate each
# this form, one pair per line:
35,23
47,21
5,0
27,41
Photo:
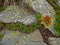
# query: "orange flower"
47,20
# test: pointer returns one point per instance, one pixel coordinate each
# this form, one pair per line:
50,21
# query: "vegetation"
1,36
2,8
57,24
38,16
23,28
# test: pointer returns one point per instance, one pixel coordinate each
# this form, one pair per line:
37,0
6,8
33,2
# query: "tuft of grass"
57,24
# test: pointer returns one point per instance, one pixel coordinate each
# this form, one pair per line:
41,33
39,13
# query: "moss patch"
38,16
2,8
23,28
1,36
57,24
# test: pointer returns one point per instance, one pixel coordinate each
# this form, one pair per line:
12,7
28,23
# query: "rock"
59,2
44,8
14,14
2,33
18,38
54,41
35,36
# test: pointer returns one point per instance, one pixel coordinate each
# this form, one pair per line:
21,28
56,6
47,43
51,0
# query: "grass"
57,24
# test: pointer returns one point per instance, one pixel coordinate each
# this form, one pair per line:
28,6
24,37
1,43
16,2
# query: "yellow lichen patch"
22,39
47,20
14,34
18,11
28,37
10,18
11,7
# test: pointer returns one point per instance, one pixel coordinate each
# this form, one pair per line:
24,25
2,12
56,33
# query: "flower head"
47,20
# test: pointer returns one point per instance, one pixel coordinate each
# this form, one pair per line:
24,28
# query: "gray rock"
14,14
54,41
59,2
18,38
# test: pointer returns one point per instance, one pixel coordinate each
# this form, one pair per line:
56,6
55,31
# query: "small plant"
10,26
38,16
23,28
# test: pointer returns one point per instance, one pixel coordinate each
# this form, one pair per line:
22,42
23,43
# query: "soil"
46,34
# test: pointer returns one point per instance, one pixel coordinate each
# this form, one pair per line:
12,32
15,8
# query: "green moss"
38,16
1,24
57,28
17,26
2,8
10,26
29,28
23,28
1,36
57,24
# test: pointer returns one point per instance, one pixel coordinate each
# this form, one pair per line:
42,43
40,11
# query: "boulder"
18,38
13,14
54,41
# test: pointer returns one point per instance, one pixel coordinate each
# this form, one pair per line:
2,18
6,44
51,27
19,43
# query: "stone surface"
58,2
18,38
44,8
54,41
14,14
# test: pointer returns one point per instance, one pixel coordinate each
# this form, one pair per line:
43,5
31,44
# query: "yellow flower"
47,20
